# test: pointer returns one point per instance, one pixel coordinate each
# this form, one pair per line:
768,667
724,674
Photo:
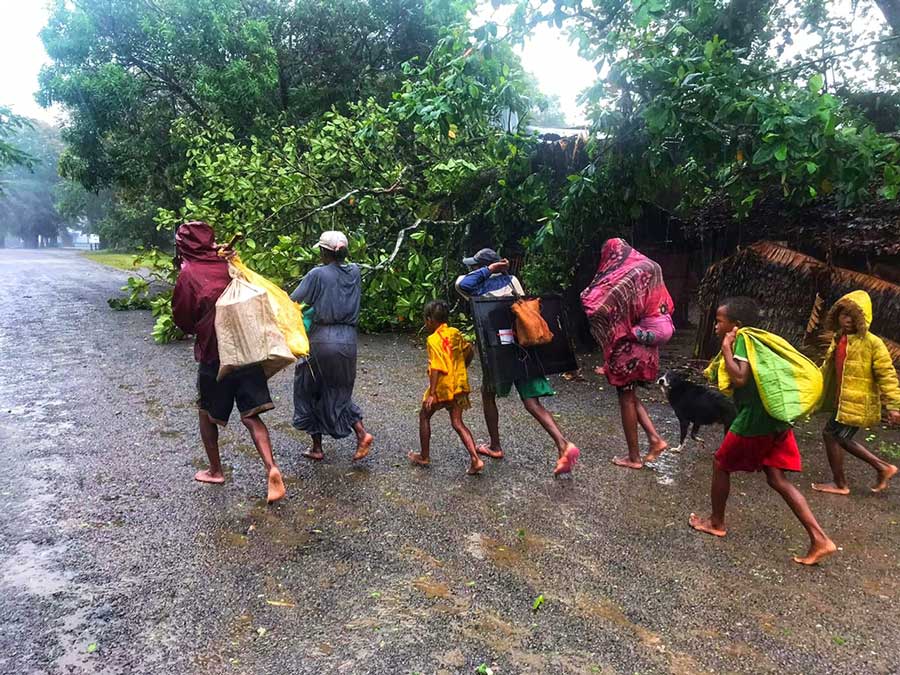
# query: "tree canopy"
10,153
396,121
128,71
27,206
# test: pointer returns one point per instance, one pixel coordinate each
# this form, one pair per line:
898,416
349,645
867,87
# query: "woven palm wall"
795,292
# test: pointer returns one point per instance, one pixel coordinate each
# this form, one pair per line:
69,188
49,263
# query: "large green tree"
27,206
694,105
128,70
411,180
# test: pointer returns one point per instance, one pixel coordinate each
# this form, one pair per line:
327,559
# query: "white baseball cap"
332,240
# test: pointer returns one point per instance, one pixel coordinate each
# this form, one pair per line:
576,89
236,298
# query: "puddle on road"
30,568
154,408
75,638
667,468
261,524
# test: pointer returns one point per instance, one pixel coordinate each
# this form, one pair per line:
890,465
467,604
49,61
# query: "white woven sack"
247,332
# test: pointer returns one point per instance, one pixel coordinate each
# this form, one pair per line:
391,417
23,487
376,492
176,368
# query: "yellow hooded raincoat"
869,376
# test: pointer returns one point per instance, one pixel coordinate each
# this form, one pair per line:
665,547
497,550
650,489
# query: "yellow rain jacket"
869,376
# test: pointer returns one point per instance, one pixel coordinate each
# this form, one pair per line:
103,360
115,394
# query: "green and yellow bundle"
789,384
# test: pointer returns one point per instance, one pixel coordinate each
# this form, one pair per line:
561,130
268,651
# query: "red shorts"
752,453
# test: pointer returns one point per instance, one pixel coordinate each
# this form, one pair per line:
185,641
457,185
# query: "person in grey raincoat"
323,383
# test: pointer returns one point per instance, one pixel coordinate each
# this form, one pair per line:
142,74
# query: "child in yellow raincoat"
449,354
858,377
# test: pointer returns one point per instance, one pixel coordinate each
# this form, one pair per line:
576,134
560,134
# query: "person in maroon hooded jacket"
202,278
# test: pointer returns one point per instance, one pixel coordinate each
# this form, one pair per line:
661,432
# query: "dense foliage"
10,153
694,107
413,174
27,204
129,71
395,121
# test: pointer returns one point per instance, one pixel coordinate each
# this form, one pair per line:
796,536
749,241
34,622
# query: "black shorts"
247,387
842,432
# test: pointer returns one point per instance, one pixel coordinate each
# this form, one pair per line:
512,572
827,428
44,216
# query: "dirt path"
112,560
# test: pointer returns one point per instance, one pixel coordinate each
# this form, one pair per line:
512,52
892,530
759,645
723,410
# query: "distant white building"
567,132
88,242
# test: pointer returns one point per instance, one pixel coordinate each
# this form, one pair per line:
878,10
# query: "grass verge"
119,260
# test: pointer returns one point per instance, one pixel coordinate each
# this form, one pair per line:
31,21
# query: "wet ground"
112,560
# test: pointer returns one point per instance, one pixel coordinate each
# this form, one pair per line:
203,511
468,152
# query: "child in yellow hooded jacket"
449,354
858,376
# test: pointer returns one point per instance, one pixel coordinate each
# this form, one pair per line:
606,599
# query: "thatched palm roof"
795,292
872,229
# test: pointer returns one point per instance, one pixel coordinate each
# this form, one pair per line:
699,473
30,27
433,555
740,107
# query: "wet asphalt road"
112,560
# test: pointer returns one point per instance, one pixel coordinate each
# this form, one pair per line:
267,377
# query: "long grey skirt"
323,390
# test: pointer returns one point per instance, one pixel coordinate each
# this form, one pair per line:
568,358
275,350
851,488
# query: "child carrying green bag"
772,384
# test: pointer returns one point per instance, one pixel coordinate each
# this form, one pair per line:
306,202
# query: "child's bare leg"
209,433
820,546
657,444
364,441
536,409
718,494
423,457
885,471
260,435
456,420
492,420
836,461
628,410
315,452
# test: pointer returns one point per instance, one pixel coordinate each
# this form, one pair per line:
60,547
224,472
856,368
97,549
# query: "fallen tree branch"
394,188
401,236
826,58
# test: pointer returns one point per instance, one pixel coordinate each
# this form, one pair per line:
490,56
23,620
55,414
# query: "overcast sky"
554,62
21,56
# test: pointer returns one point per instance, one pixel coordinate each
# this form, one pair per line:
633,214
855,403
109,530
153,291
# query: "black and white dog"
695,405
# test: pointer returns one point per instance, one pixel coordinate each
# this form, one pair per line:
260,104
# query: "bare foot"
705,525
817,552
627,463
884,477
656,449
417,458
600,370
475,467
276,486
488,451
363,447
830,488
207,476
315,455
565,463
